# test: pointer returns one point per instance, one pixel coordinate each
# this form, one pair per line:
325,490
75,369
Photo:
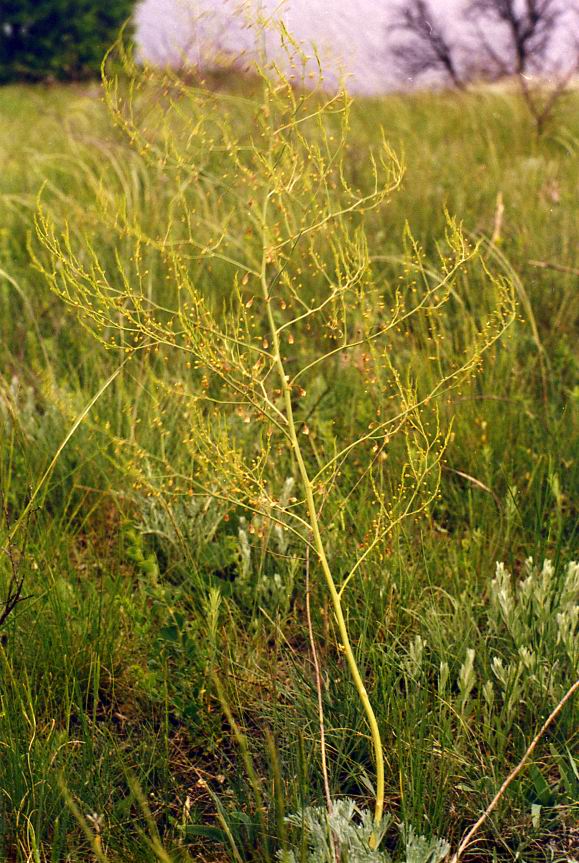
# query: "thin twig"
474,481
560,268
500,793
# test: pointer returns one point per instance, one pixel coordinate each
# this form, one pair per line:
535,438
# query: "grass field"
158,698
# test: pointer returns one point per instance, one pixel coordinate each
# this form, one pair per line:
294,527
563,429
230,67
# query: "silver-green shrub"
348,829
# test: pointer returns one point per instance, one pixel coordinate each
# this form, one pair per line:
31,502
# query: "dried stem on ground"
467,840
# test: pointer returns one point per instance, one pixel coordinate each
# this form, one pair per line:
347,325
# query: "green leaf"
170,633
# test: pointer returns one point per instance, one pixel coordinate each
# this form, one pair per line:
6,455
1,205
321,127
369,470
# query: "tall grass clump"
253,297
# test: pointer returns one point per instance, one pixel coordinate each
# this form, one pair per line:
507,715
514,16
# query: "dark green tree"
57,39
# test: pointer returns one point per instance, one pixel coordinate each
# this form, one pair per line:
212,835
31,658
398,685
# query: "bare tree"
426,47
528,28
508,38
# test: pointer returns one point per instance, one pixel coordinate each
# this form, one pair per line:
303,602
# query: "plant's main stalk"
321,551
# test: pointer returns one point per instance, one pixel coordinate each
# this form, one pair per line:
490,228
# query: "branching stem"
319,543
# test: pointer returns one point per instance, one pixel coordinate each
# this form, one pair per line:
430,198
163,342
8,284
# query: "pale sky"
350,35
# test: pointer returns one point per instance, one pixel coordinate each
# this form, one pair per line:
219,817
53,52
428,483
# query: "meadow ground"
157,692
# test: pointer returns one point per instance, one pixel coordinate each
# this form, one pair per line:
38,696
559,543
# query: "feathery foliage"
162,643
284,188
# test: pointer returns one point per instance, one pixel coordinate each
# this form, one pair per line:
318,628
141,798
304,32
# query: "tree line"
66,39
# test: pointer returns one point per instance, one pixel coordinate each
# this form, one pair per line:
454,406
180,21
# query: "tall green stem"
320,548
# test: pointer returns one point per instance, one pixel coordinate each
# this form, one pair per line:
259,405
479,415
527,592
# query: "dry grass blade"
514,773
559,268
474,481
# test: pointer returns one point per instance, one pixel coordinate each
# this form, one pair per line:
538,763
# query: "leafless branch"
508,38
426,47
530,26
